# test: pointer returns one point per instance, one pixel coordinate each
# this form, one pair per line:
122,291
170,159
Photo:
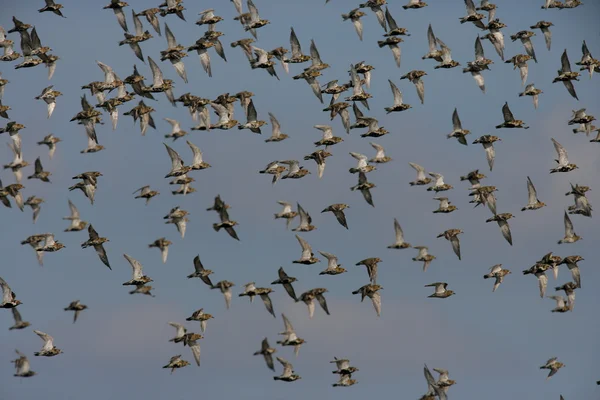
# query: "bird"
569,289
399,105
138,277
286,213
35,204
520,61
98,243
343,366
201,272
472,15
457,130
50,141
146,193
445,206
533,203
19,323
365,188
502,220
498,273
561,306
531,90
49,96
371,291
8,296
488,145
49,349
375,6
191,340
253,124
307,257
267,352
289,336
452,236
553,365
380,157
308,298
424,256
566,76
23,367
288,374
176,362
77,224
338,210
440,290
525,37
286,281
422,178
305,221
539,270
200,315
563,160
225,288
77,307
355,15
509,119
140,36
333,268
227,224
446,56
39,172
439,185
53,7
177,216
399,234
571,262
163,245
371,265
117,7
276,135
414,5
544,26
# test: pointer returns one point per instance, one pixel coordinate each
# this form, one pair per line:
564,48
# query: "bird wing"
157,76
420,170
396,92
306,249
275,125
399,232
314,54
196,151
507,114
171,42
531,192
176,161
479,54
268,303
48,340
562,153
456,125
564,62
431,39
295,44
455,245
136,266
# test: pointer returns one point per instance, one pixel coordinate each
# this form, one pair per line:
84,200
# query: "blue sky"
492,343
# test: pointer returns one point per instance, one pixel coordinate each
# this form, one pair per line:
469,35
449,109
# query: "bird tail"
216,227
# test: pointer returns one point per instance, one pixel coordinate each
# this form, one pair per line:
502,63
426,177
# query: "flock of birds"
34,54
